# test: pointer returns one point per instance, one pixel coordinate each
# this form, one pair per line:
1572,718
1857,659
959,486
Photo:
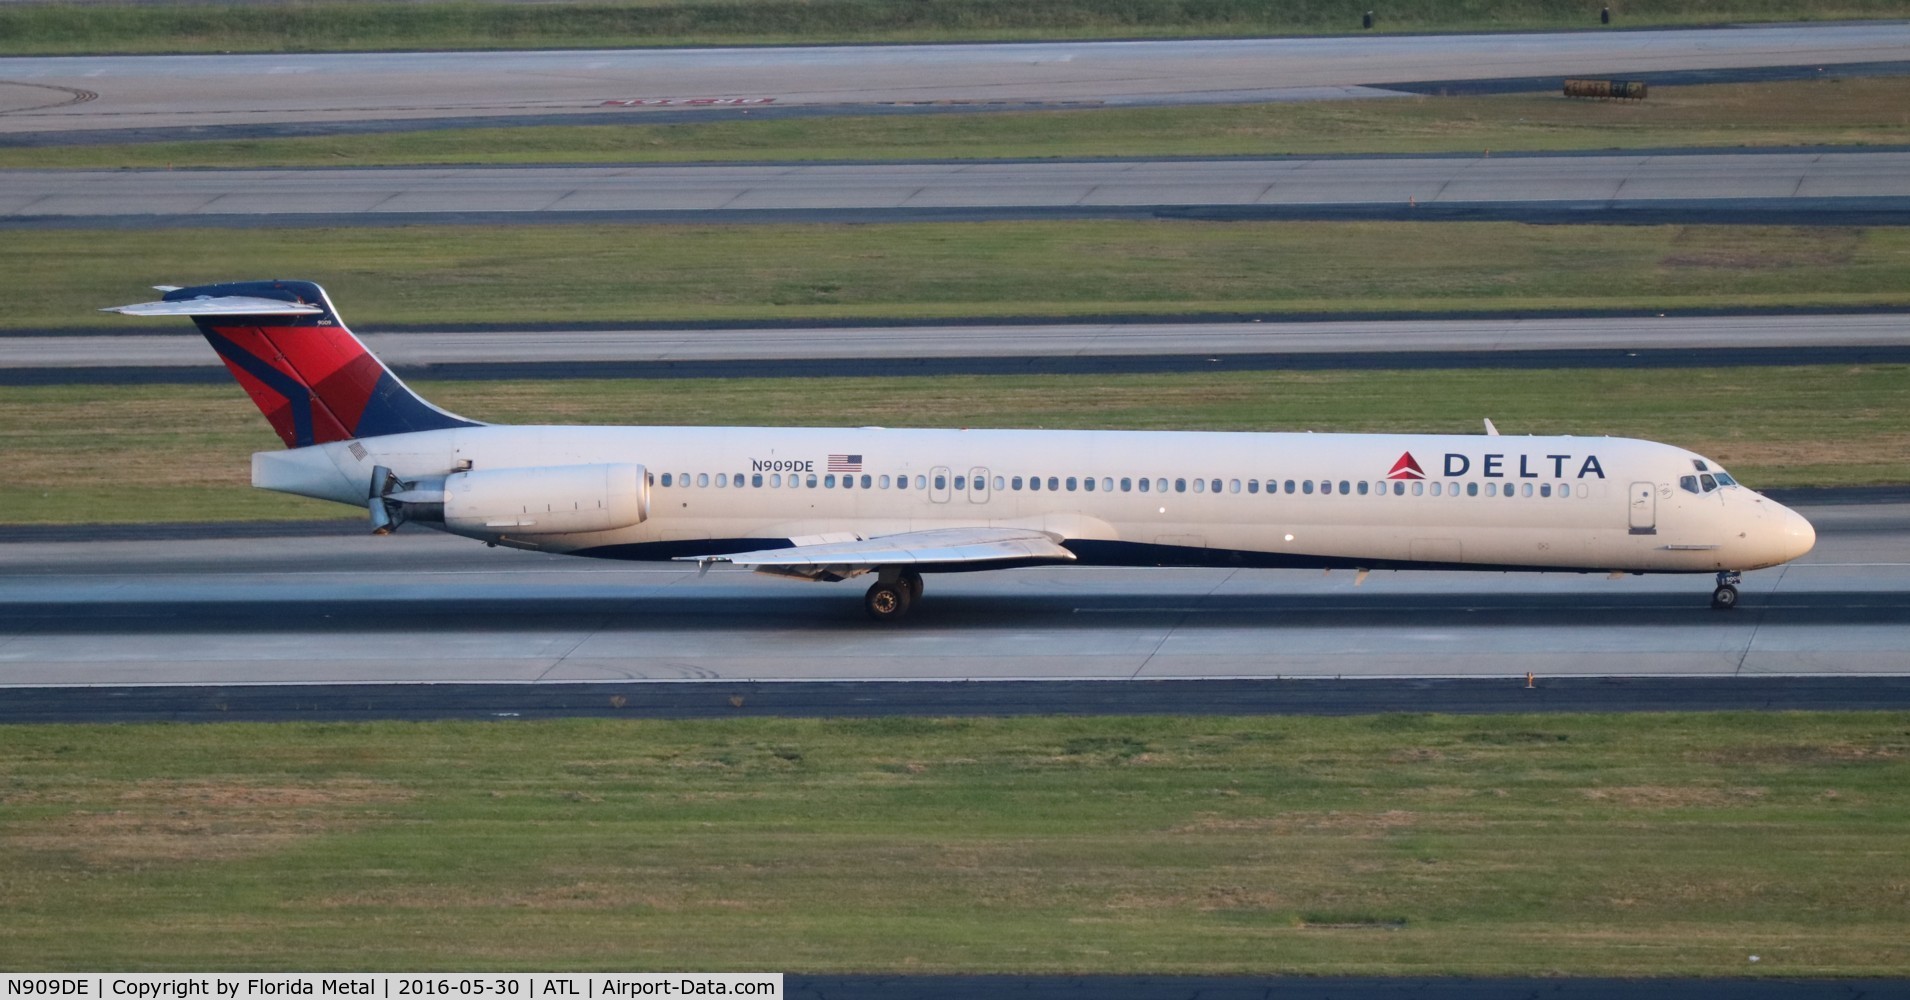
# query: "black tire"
912,580
1724,598
887,602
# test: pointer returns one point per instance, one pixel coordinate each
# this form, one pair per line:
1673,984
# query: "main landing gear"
892,595
1726,596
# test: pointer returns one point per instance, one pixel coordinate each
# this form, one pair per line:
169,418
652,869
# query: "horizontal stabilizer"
218,305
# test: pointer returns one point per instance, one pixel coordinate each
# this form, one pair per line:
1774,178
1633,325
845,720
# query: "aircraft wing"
935,546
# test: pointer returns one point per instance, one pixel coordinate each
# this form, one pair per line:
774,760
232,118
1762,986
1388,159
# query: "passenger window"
722,480
1034,483
1435,489
1545,489
1306,486
1345,487
756,480
1200,486
1180,485
1088,484
1107,484
1160,485
1253,485
1053,483
1216,485
1071,483
1326,486
666,479
865,482
999,481
702,479
1143,484
1362,487
1127,484
1527,489
1419,489
941,482
1472,489
811,481
829,481
961,482
1492,489
1015,483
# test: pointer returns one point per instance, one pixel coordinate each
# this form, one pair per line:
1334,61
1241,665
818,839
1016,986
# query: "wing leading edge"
919,549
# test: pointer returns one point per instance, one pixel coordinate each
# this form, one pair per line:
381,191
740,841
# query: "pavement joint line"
1510,679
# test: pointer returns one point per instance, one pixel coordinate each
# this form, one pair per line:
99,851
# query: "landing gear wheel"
1724,598
913,581
887,602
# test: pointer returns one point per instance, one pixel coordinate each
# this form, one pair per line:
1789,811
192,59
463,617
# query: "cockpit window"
1688,483
1710,482
1698,463
1724,480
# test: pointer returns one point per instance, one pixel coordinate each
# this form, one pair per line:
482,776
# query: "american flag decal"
845,463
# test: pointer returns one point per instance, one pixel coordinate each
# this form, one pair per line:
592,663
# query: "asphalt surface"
429,609
144,358
1730,186
121,92
669,115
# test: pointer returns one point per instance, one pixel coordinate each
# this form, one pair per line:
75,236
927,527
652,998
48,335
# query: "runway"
424,608
1725,187
139,358
118,92
421,351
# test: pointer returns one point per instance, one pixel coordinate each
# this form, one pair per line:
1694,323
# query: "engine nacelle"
546,501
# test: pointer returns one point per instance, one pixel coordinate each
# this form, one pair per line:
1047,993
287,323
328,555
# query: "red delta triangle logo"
1406,468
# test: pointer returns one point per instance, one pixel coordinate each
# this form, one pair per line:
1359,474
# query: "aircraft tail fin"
314,381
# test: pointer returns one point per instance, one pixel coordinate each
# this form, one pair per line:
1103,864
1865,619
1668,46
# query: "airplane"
832,504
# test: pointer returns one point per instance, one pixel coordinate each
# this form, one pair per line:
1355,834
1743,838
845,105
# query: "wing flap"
944,546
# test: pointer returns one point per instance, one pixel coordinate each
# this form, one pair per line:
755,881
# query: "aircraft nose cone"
1799,536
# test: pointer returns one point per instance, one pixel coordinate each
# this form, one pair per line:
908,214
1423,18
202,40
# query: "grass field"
1855,112
341,25
168,453
1405,845
611,274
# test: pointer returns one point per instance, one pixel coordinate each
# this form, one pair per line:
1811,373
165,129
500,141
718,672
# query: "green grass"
610,274
335,25
1669,845
168,453
1855,112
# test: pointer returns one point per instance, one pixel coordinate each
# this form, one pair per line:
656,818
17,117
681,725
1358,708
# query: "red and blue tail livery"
314,381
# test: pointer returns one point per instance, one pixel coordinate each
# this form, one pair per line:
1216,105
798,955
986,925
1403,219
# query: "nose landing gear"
1726,596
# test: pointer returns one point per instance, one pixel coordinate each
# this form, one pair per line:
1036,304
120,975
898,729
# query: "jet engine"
546,501
549,500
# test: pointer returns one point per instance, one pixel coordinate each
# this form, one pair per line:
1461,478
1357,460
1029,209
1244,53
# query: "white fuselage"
1539,503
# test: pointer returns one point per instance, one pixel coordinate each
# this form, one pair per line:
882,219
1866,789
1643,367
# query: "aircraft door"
938,485
1644,509
978,486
